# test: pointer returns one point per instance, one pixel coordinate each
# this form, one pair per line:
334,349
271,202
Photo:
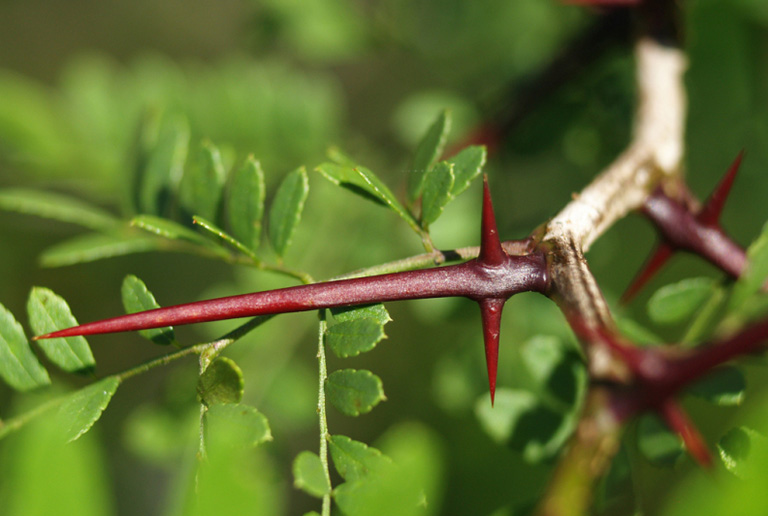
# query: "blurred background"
284,80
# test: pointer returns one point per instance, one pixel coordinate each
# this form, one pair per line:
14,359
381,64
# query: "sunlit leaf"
49,312
675,302
285,212
427,153
137,298
56,206
736,448
19,366
354,392
438,184
245,206
467,165
83,408
219,233
309,475
97,246
221,382
363,182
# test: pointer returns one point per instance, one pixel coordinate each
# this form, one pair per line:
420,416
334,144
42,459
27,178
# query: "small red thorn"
490,311
663,253
678,421
491,252
712,209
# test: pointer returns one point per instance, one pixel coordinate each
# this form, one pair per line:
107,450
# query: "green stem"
324,434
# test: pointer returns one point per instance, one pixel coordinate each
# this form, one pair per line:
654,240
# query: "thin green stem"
324,434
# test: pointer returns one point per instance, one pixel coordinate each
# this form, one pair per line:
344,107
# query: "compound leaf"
137,298
19,366
285,212
49,312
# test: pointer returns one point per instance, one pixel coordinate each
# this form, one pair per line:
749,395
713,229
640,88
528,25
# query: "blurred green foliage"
370,77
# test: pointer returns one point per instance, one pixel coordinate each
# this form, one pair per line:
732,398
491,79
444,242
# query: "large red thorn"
659,257
490,310
680,423
491,252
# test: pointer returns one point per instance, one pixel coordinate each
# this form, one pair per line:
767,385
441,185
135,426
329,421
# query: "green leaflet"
49,312
137,298
56,206
438,185
245,204
354,392
736,448
350,338
658,443
427,153
752,278
674,303
363,182
376,312
237,425
219,233
81,409
355,460
309,474
724,386
174,231
19,366
221,382
285,212
467,165
97,246
160,178
202,184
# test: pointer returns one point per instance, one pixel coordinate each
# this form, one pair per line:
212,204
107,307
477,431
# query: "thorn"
663,253
679,422
491,252
490,310
710,213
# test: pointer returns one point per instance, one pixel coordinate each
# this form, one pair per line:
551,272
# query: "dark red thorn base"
679,422
490,280
682,230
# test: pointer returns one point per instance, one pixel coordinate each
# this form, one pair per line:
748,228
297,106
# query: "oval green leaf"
19,366
467,165
438,184
309,475
354,392
736,447
81,409
350,338
673,303
49,312
221,382
234,424
427,153
376,312
137,298
355,460
164,168
285,212
203,183
245,204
